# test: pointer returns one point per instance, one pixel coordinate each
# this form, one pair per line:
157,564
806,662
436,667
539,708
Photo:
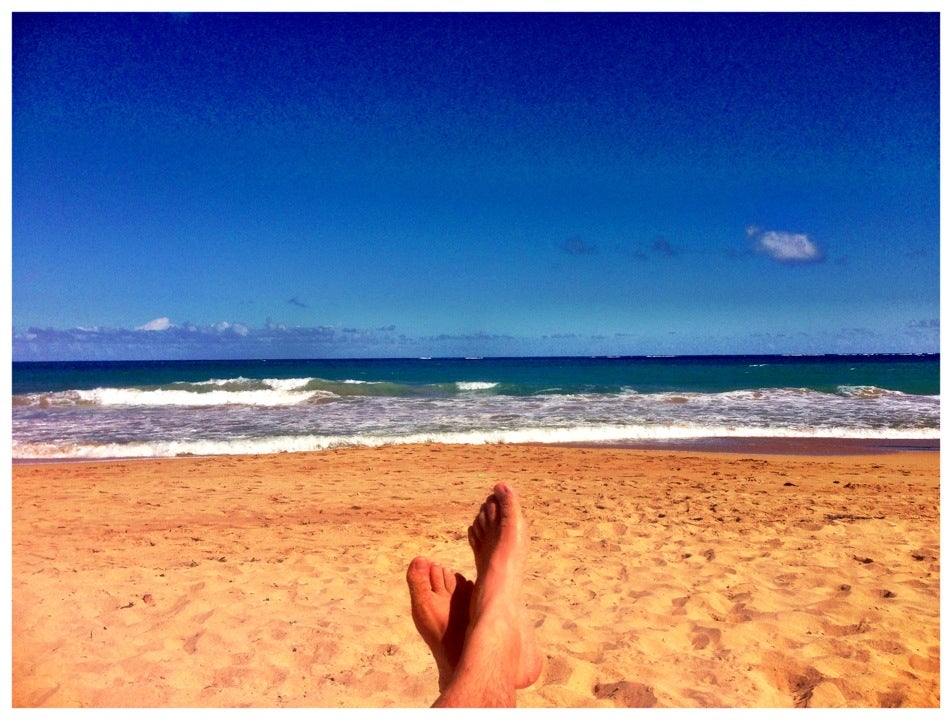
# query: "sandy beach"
657,578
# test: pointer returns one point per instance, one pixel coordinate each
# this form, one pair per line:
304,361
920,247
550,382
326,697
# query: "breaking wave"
242,415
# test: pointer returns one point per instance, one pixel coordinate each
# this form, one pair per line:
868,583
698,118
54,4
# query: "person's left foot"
439,604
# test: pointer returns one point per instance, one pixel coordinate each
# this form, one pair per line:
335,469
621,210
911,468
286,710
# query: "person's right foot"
499,538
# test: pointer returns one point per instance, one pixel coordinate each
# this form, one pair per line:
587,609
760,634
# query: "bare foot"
499,537
439,604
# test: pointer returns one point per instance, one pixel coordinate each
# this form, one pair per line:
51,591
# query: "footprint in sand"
788,676
705,636
191,645
625,693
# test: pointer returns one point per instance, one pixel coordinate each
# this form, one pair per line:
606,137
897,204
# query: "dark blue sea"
76,410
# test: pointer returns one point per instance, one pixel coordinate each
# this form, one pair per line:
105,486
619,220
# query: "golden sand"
656,578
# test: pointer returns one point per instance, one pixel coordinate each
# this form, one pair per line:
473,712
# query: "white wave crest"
218,382
867,391
472,386
288,385
132,396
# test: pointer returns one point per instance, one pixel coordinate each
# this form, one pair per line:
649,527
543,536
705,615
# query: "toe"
437,583
449,580
418,574
505,497
491,511
484,516
475,541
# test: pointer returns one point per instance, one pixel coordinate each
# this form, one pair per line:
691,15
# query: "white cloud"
785,246
225,327
162,323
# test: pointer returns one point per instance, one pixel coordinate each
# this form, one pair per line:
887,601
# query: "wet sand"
658,578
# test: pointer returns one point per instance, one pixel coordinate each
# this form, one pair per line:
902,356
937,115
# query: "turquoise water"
140,409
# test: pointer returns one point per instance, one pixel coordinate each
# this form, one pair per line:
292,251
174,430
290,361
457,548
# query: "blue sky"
347,185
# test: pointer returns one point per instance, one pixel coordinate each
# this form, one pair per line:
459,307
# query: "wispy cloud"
663,247
231,340
660,247
577,246
785,247
163,339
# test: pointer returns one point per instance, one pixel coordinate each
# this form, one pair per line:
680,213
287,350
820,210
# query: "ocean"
78,410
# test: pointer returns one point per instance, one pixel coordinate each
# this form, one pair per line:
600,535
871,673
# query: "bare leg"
481,540
499,653
439,604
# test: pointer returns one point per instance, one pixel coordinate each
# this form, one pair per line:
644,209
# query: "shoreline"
816,446
658,578
794,446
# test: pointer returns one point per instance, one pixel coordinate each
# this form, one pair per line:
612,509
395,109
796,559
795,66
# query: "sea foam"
127,396
561,435
321,405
